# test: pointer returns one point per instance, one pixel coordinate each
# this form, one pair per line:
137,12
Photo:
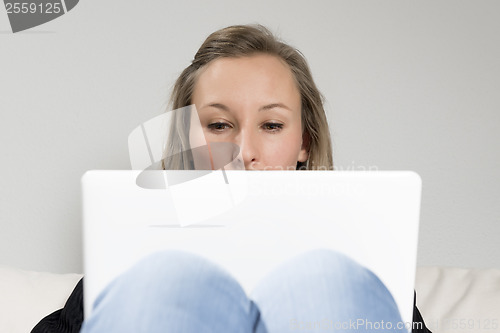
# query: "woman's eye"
218,126
273,127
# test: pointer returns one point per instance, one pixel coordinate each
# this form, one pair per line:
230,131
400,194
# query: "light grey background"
410,85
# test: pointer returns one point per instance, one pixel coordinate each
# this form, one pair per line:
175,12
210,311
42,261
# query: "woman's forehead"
260,78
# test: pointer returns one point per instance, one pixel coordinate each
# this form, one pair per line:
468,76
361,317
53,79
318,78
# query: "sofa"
450,299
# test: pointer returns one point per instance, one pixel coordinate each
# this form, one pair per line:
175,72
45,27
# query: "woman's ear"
304,150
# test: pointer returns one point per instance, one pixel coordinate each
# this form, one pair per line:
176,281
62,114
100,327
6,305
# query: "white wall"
410,85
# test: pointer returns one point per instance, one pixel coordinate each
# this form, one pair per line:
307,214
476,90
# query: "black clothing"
66,320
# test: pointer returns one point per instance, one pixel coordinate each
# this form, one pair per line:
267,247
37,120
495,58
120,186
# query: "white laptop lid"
250,221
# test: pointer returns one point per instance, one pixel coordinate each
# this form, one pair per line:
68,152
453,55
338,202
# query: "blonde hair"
243,41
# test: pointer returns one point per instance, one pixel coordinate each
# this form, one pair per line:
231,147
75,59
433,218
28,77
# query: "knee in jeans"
331,265
174,265
182,275
181,269
328,261
336,266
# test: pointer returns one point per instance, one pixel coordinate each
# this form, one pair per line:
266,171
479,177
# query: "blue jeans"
172,291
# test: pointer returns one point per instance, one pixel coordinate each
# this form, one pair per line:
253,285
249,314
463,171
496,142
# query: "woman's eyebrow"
222,107
274,105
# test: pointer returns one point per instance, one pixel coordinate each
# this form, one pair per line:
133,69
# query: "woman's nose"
249,151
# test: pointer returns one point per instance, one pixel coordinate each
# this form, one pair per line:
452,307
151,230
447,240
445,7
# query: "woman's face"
254,103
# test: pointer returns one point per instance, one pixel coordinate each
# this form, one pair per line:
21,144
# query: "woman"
255,92
238,56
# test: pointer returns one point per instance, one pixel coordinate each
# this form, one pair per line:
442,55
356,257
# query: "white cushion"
26,297
459,300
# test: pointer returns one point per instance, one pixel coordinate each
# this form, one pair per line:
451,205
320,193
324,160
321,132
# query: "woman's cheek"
282,155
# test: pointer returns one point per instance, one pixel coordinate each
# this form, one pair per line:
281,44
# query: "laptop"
250,221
